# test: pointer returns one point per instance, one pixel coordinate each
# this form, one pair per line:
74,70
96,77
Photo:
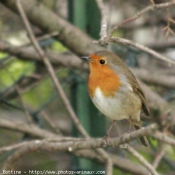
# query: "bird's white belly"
118,107
109,106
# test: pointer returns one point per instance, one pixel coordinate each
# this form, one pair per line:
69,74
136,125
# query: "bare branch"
72,146
26,128
168,29
41,133
159,155
66,59
137,15
46,36
44,145
141,159
49,121
103,31
119,162
15,146
143,48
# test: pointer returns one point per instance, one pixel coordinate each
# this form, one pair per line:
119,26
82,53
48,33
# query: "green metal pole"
85,15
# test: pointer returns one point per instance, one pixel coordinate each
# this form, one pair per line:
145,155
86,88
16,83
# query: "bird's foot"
104,140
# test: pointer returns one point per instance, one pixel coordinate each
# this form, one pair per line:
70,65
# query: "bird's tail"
143,139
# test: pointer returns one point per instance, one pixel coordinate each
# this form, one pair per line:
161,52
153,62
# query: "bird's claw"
104,141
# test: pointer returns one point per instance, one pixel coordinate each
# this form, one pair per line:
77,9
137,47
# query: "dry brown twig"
141,47
58,85
137,15
159,155
139,157
47,36
168,29
49,121
103,11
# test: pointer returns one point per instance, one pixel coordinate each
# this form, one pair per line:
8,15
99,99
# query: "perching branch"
72,146
91,143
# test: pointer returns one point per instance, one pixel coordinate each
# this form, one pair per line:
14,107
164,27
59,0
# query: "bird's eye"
102,61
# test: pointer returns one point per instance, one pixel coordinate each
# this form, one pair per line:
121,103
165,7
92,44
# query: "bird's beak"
86,58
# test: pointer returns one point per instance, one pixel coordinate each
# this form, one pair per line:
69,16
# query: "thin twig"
49,121
123,164
103,30
141,159
23,127
137,15
47,36
168,29
15,146
142,47
159,155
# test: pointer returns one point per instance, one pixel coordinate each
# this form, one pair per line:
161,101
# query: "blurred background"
27,92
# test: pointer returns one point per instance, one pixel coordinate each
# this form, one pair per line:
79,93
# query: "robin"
115,91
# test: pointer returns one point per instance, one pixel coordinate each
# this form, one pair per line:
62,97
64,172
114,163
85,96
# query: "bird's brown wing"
138,91
145,108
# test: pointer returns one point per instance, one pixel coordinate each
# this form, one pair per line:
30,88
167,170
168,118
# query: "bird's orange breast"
103,77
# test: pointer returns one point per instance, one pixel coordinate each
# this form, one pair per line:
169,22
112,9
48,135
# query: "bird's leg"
105,138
